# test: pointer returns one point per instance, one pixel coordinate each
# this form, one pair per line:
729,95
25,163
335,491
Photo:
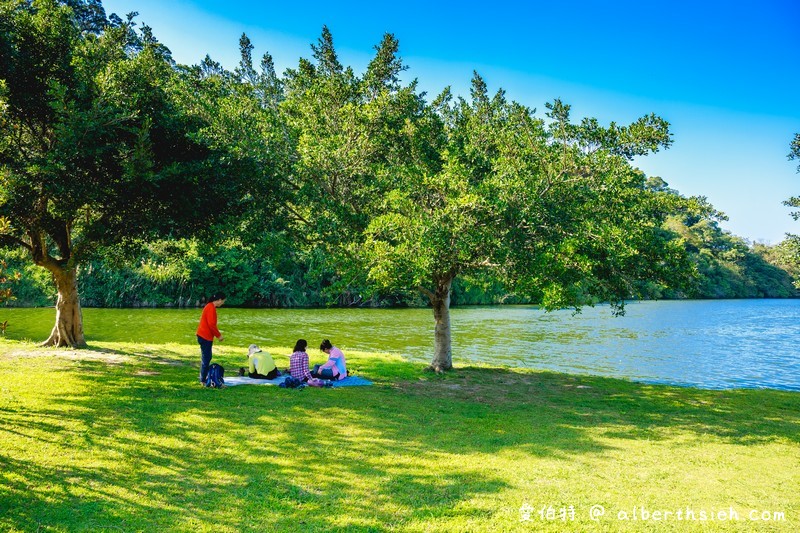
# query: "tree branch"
426,292
10,240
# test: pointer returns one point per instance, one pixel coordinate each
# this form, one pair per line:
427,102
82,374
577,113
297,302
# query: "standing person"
298,365
206,332
335,367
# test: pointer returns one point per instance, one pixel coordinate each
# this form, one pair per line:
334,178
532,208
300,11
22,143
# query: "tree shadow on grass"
107,447
164,453
625,409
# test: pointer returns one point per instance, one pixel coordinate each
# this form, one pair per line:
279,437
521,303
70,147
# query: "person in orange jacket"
206,332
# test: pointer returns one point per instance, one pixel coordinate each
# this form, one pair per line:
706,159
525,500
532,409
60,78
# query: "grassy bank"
122,438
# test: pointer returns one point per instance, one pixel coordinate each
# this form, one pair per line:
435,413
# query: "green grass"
122,438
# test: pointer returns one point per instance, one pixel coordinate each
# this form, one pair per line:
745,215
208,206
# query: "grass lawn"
123,438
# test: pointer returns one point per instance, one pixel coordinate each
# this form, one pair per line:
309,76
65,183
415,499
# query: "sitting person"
261,364
298,365
335,367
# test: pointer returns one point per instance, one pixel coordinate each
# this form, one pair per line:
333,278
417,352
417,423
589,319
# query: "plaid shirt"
298,366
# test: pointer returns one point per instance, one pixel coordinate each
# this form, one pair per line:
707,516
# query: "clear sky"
723,73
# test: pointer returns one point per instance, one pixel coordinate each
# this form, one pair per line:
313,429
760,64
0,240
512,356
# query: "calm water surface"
709,344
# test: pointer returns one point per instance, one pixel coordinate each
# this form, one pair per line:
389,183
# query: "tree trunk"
440,300
68,330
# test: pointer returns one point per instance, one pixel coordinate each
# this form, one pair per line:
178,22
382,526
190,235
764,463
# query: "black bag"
292,383
216,376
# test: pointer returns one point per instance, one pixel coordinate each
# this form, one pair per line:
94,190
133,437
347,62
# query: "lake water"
715,344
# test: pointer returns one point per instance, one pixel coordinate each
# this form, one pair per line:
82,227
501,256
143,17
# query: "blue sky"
724,74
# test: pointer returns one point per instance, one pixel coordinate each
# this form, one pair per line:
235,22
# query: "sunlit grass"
122,438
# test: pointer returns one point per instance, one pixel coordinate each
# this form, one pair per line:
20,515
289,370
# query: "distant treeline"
273,274
175,274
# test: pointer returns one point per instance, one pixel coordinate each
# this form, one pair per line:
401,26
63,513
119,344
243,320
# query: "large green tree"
412,195
553,208
99,144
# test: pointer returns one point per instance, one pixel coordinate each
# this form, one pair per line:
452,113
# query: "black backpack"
292,383
216,376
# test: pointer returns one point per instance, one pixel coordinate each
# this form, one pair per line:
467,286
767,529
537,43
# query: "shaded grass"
122,438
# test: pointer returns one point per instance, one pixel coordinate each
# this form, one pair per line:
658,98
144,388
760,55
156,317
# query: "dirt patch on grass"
97,355
109,357
147,373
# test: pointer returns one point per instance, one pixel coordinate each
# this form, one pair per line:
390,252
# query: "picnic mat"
352,381
349,381
244,380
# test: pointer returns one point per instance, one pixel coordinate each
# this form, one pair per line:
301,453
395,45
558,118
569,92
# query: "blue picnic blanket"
352,381
349,381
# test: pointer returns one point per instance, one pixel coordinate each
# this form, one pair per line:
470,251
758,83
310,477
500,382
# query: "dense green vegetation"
125,440
727,266
278,273
177,273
